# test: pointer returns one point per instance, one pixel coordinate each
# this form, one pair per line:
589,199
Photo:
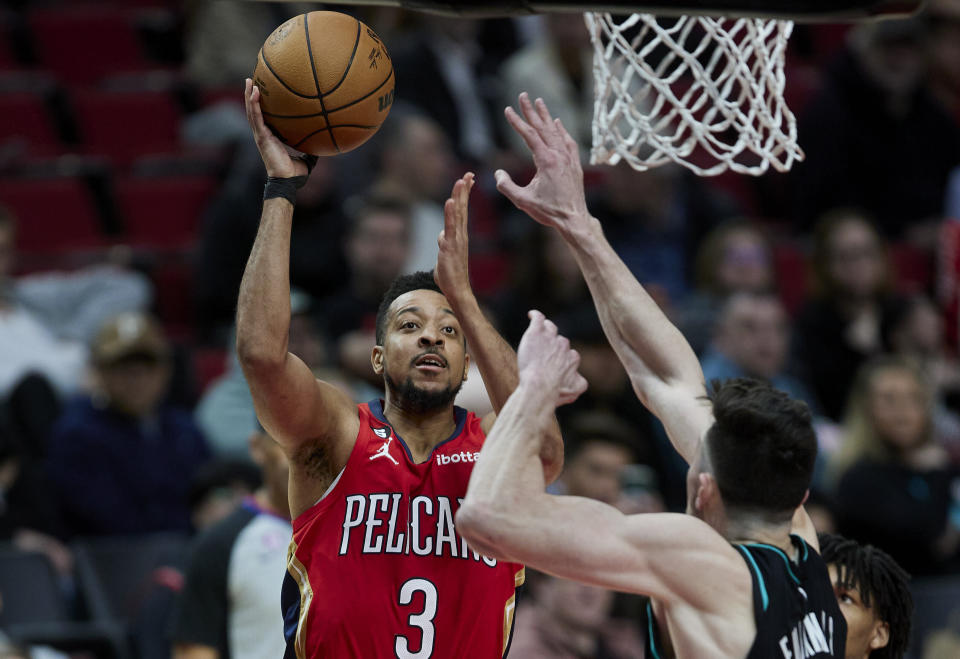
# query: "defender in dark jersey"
739,575
874,595
376,567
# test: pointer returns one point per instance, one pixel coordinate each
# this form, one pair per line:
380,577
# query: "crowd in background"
838,282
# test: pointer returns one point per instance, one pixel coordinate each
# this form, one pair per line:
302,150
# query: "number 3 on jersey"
423,620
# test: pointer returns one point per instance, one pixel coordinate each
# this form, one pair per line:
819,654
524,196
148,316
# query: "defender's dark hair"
403,284
883,586
761,449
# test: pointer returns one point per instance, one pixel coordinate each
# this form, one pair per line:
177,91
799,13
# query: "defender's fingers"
530,137
508,188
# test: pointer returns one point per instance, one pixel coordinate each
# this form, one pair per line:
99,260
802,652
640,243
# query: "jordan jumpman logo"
384,452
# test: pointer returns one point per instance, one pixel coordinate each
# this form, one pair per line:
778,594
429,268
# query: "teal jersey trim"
764,597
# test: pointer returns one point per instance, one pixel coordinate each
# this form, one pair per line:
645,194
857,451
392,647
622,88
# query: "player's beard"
408,396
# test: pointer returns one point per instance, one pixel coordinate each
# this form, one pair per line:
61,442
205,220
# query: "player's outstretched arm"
508,515
494,357
663,368
293,406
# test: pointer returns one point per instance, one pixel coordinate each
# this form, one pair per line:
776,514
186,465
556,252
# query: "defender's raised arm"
663,368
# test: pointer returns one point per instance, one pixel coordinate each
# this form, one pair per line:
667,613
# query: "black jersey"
794,607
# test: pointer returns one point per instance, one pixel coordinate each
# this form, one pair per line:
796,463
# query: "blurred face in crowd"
595,471
754,334
423,357
943,46
865,633
744,262
921,330
578,606
892,54
898,408
855,260
422,160
601,367
378,248
135,385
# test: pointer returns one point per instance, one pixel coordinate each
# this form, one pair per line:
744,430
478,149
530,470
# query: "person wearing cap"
121,459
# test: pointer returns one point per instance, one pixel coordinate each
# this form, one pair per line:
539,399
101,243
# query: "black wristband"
287,187
283,187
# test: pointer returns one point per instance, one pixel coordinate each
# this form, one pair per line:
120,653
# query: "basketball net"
703,92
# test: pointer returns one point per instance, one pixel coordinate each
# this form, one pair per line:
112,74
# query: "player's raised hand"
555,195
276,158
546,360
452,273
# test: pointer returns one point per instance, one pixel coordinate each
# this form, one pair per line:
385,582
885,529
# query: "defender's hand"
452,273
555,196
546,361
276,158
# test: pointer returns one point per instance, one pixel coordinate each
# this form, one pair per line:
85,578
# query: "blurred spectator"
121,460
943,54
230,603
559,69
752,340
416,166
448,74
218,487
377,247
874,136
544,275
225,413
26,345
223,37
29,515
895,486
840,329
316,263
653,218
600,461
914,328
733,257
47,319
569,620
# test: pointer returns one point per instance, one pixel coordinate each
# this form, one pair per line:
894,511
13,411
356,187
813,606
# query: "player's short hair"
883,586
403,284
761,449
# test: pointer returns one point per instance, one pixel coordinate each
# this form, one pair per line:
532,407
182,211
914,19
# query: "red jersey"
376,569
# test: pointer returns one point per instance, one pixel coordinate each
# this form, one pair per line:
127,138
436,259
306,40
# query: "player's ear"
706,490
881,635
376,359
466,365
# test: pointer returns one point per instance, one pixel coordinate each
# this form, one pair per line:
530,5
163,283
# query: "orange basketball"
326,82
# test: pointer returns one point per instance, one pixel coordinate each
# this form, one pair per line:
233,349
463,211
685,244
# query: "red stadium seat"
792,274
164,211
124,125
53,213
26,118
82,44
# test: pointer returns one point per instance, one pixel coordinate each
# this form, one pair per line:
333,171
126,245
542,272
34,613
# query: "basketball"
326,82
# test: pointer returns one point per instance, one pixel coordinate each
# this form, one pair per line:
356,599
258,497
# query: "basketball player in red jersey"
376,567
739,576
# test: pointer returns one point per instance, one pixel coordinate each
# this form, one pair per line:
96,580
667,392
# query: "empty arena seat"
52,213
115,574
163,211
82,44
27,119
125,125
